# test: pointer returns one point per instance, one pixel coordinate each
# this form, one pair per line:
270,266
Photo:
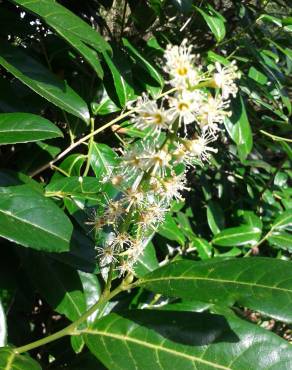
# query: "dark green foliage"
67,70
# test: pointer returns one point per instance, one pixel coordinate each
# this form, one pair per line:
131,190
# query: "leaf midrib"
252,232
168,278
124,338
9,214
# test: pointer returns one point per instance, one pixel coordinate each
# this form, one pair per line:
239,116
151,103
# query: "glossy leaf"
3,328
72,28
30,219
59,17
262,284
214,20
240,235
42,81
25,127
102,160
92,291
251,219
58,284
71,166
70,186
104,106
82,255
170,230
9,360
148,339
283,221
203,247
239,129
147,261
281,240
215,217
144,63
257,75
77,343
90,55
120,71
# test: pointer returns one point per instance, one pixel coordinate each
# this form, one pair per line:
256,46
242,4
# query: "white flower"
213,112
224,79
152,214
150,116
131,162
133,197
121,241
159,161
135,250
179,65
199,148
106,255
185,106
114,211
125,267
143,157
173,186
191,152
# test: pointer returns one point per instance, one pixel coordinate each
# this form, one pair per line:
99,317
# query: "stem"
72,329
259,243
71,135
275,138
53,167
90,147
91,134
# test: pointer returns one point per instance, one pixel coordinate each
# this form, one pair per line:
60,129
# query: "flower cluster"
178,132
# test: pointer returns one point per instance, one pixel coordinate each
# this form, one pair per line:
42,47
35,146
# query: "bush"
145,206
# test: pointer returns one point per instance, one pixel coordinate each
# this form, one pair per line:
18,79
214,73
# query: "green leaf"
90,55
214,20
9,360
144,63
42,81
149,339
251,219
283,221
70,186
102,160
82,255
235,236
262,284
72,28
59,17
3,328
25,127
213,57
190,306
239,129
170,230
203,247
257,76
121,74
58,283
71,166
270,19
147,261
281,240
77,343
215,217
92,291
30,219
104,106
